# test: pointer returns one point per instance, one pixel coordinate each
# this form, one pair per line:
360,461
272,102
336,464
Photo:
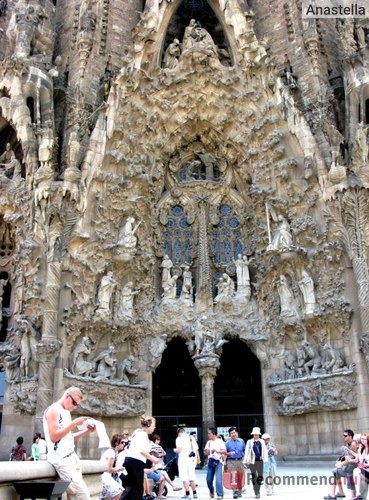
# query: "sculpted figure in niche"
243,276
166,266
335,140
6,156
106,364
333,359
287,299
127,238
79,364
105,293
127,370
225,289
313,363
172,54
125,308
196,35
170,288
306,285
204,341
290,364
282,239
360,148
29,339
187,288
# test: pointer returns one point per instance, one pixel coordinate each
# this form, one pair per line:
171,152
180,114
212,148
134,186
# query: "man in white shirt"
215,450
58,427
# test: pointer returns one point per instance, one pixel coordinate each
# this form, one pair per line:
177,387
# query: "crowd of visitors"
351,468
133,462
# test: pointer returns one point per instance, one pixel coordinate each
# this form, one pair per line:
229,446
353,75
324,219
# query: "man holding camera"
187,449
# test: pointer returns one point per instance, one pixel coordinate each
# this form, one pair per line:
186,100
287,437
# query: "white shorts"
110,487
186,469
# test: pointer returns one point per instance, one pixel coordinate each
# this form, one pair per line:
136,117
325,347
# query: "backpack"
17,453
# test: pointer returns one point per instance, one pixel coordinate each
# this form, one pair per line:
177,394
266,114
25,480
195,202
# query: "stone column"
207,367
49,347
204,298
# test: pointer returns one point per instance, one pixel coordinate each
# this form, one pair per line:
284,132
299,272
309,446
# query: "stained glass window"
226,237
178,237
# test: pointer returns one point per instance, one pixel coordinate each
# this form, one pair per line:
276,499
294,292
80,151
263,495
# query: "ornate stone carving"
127,240
104,296
23,396
329,392
204,341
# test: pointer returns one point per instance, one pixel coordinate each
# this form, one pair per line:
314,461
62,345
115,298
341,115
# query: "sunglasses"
74,402
345,435
122,442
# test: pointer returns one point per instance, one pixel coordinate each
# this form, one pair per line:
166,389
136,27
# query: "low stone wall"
21,471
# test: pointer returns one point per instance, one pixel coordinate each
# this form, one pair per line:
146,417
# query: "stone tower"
192,169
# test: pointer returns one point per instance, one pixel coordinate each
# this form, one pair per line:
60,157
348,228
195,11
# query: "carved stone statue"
6,156
171,55
282,239
313,363
127,236
333,359
287,299
79,364
335,140
306,285
28,341
127,370
106,364
225,289
243,277
204,341
187,288
360,149
125,307
170,288
166,266
105,293
127,240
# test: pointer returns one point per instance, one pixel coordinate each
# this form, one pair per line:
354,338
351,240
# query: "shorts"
155,476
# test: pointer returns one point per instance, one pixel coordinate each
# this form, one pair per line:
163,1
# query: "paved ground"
299,482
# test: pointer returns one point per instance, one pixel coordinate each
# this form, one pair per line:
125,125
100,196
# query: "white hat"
265,436
255,431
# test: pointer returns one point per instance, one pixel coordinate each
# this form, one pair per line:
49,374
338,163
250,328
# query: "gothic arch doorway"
176,382
238,389
176,394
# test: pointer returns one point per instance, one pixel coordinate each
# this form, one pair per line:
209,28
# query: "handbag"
250,457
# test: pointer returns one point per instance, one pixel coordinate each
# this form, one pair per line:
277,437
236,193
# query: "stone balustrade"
21,471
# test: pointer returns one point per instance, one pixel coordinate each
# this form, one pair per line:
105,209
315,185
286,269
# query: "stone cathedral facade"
184,170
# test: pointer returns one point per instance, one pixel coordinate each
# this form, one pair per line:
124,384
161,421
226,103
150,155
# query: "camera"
192,454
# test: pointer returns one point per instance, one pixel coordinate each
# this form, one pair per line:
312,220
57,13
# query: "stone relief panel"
314,375
324,392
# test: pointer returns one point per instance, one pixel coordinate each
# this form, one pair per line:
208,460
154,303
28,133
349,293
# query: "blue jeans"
215,468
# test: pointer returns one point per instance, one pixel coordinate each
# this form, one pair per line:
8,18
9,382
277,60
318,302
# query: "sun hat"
255,431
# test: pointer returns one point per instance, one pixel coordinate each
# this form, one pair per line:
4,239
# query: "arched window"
178,237
226,237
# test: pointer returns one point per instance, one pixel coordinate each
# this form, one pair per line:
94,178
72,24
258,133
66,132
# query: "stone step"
307,460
